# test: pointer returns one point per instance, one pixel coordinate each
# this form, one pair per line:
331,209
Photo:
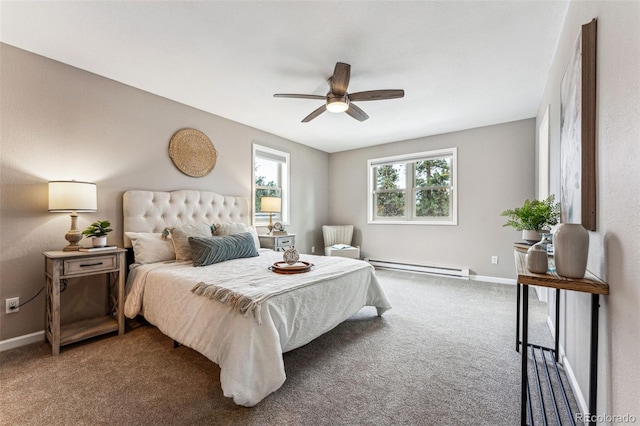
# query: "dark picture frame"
578,132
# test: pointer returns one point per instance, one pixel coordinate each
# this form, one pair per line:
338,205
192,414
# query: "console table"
589,284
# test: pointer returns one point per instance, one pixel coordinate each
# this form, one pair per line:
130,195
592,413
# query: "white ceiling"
462,64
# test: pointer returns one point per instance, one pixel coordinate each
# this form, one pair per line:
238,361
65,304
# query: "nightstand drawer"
284,241
89,264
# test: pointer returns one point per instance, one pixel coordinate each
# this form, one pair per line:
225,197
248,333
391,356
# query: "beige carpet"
444,355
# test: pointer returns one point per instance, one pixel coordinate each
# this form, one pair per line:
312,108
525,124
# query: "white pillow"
230,228
151,247
180,237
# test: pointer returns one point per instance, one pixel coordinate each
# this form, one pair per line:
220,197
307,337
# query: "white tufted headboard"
151,211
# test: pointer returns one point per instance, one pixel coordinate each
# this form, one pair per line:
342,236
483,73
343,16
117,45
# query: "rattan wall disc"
192,152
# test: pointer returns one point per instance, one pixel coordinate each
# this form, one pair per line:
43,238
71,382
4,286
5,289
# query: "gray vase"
571,250
537,259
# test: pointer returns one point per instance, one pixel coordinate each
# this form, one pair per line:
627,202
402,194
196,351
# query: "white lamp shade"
70,196
270,204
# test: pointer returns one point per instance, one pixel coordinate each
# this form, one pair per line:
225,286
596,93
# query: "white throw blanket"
247,290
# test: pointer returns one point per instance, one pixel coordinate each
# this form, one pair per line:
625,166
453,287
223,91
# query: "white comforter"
249,354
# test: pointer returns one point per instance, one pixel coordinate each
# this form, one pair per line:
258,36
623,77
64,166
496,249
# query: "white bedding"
249,354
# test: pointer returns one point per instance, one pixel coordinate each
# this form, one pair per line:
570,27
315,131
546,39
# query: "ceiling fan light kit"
337,103
338,100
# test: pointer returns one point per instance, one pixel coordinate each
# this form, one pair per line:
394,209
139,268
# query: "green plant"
534,215
98,228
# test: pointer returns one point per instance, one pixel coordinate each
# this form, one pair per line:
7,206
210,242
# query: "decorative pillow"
150,247
180,237
230,228
210,250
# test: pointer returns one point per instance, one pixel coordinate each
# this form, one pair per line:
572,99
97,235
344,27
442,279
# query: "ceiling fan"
339,100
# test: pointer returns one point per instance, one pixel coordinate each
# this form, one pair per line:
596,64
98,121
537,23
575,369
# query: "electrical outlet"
313,249
13,305
494,260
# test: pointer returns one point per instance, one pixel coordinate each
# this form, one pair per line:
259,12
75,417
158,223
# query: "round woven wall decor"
192,152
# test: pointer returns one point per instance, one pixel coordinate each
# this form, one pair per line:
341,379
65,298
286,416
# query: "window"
270,179
414,188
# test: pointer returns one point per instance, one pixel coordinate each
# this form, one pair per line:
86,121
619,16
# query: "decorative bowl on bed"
296,268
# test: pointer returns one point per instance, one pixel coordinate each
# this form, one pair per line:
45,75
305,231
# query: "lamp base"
270,226
73,236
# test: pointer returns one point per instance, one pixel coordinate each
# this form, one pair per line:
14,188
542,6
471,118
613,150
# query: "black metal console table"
589,284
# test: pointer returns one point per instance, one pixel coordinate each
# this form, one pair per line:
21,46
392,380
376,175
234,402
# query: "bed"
246,340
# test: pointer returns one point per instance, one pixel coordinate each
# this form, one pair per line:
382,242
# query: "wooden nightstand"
277,242
61,265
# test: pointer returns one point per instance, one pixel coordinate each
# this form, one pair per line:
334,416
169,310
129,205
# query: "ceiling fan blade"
314,114
376,95
356,113
340,79
290,95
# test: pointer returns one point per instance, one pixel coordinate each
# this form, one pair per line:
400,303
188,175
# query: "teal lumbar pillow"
209,250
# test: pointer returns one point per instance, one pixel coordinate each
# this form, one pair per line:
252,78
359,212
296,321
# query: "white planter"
531,236
99,241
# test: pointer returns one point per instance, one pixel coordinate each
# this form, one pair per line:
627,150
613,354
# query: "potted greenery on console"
533,217
98,231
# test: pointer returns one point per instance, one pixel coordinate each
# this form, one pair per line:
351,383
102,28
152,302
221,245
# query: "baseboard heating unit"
428,269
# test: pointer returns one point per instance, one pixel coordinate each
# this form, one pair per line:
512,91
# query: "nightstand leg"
54,307
120,302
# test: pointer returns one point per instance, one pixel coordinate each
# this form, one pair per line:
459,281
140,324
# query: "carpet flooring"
444,355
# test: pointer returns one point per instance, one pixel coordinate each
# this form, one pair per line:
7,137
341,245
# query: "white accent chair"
337,241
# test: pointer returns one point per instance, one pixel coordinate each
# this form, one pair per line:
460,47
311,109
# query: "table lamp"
270,205
72,196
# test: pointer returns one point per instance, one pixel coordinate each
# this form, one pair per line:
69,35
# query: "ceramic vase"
571,250
537,259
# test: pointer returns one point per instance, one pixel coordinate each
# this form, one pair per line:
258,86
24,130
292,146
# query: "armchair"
337,241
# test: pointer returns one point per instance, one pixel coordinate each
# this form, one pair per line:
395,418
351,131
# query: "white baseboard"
552,328
16,342
577,392
496,280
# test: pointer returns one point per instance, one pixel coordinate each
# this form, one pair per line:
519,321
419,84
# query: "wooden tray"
297,268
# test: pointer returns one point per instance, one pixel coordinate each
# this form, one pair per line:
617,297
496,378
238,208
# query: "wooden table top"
589,284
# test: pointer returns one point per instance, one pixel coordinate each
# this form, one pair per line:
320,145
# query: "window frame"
410,188
285,174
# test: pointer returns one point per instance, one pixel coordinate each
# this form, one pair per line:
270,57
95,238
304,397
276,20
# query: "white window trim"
285,184
407,158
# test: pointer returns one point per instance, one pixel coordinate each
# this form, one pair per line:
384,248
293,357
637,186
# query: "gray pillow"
209,250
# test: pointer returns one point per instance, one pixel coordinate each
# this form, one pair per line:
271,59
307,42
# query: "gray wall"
495,173
614,249
59,122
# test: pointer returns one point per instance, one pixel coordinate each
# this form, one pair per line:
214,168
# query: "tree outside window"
416,188
432,183
270,179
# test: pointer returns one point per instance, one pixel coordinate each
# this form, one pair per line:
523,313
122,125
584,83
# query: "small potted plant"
98,230
533,217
